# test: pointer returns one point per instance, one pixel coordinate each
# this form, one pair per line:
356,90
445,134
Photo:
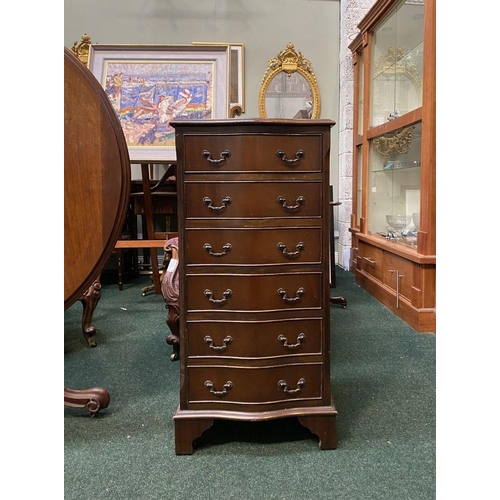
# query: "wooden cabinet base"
187,430
422,320
190,425
404,281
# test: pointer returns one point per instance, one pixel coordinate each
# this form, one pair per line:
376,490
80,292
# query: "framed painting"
236,75
150,85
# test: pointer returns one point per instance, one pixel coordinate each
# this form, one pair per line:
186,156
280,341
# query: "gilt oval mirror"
289,88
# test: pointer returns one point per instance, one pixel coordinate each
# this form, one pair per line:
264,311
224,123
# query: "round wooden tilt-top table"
96,194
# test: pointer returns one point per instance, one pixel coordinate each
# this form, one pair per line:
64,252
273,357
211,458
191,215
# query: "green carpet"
383,377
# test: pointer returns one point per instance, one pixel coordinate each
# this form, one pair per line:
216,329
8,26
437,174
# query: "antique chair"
170,292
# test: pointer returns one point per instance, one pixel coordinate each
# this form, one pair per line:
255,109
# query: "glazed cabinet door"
393,218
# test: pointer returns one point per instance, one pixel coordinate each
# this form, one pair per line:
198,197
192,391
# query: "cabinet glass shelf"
395,168
394,185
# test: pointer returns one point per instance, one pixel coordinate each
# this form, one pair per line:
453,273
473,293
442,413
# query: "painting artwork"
148,92
146,97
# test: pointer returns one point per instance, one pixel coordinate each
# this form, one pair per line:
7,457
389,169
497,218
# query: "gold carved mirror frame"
290,63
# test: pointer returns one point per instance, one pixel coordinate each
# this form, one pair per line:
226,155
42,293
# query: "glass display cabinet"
393,223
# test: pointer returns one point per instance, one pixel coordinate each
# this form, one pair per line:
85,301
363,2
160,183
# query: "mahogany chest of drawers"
253,204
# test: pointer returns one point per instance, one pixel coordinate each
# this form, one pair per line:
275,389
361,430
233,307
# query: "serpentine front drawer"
249,246
250,199
258,292
253,153
254,339
253,386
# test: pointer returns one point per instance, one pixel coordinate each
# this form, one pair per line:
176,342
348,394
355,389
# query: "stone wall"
351,13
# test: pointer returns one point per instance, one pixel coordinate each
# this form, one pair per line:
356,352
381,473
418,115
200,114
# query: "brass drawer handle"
208,293
298,295
210,385
299,247
223,156
284,386
226,248
282,201
225,202
370,260
300,339
298,155
208,340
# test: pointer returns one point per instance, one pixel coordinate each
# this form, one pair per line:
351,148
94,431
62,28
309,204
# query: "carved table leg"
92,399
89,301
147,289
173,324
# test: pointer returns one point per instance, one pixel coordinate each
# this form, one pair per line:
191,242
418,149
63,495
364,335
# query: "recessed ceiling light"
417,16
